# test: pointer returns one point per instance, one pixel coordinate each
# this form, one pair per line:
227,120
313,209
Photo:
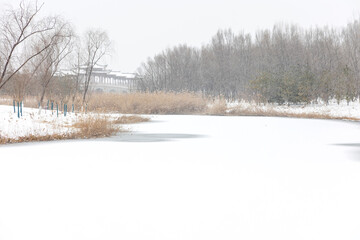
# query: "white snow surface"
188,177
31,122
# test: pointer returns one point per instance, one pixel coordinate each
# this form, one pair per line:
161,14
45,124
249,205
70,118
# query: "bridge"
113,81
104,80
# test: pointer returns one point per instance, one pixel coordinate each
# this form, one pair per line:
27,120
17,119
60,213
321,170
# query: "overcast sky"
142,28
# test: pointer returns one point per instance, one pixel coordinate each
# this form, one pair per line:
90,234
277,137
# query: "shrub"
95,127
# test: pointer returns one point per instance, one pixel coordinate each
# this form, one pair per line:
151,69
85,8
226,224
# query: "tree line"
287,64
34,48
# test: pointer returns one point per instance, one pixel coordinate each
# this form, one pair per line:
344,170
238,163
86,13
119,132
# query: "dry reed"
29,101
270,112
148,103
219,107
130,119
93,127
90,127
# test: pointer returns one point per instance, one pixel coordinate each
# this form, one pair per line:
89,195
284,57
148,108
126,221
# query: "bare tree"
97,45
76,61
284,65
18,86
59,42
19,29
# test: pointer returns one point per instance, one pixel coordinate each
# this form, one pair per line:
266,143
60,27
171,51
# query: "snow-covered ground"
31,122
188,177
334,109
46,122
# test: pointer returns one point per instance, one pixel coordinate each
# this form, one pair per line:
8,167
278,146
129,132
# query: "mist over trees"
287,64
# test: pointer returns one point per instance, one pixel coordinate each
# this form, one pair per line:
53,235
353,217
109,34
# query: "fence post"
21,107
14,106
18,106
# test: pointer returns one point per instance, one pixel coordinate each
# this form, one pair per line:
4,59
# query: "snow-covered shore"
33,123
47,122
343,109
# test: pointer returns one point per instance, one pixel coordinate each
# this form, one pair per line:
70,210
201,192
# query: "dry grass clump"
38,138
29,101
251,111
34,137
271,112
219,107
90,127
319,116
93,127
3,140
130,119
148,103
6,100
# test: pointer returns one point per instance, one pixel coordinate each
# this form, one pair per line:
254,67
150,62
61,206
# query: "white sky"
142,28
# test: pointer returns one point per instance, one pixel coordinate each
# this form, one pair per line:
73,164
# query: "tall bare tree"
283,65
75,63
97,45
19,28
60,41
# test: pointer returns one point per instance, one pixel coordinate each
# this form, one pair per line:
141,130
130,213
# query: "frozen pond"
188,177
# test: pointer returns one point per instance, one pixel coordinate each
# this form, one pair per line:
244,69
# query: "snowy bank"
48,125
33,123
333,109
